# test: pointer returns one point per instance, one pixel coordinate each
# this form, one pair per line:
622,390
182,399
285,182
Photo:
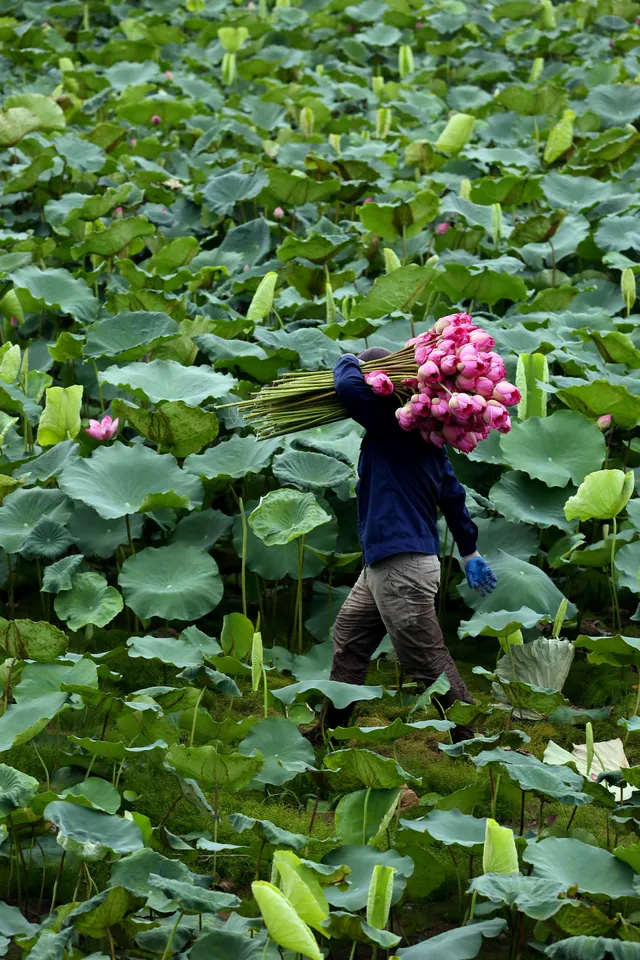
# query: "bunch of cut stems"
302,400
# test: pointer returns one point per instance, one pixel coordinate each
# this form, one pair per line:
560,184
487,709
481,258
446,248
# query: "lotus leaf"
177,583
285,751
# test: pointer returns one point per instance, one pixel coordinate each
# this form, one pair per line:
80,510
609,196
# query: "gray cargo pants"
396,596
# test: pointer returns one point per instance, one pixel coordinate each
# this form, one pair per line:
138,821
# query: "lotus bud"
536,70
391,261
133,142
405,417
117,211
465,188
449,364
329,303
228,69
379,383
484,387
168,75
104,430
547,15
437,439
306,121
346,307
377,85
482,341
334,142
604,422
590,746
278,213
506,393
496,223
628,288
156,120
442,228
383,122
429,372
405,61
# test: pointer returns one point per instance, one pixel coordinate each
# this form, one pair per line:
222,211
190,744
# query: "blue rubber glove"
479,575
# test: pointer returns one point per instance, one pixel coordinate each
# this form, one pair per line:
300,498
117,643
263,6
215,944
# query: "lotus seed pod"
306,121
228,69
405,61
377,85
628,288
383,122
496,223
547,15
334,142
465,188
536,70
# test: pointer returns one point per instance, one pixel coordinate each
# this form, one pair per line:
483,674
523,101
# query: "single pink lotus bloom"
472,367
449,364
411,383
155,120
442,228
133,142
419,25
168,74
405,417
14,321
461,406
452,433
118,211
482,341
350,27
278,213
467,443
506,393
468,384
496,370
437,439
440,410
604,422
421,405
422,354
103,431
484,387
494,414
379,383
429,372
368,200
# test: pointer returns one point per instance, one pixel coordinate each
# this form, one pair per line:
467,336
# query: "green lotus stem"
266,947
298,616
195,716
364,815
614,589
167,949
243,567
55,885
130,538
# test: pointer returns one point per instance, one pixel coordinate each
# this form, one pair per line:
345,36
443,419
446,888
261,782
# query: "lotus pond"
196,197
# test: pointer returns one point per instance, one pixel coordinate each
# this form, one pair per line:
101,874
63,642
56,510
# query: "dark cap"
373,353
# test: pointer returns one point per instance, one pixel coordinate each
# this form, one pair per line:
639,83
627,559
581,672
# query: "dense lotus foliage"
197,197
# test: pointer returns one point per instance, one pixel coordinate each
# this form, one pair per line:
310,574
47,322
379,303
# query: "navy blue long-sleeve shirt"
402,480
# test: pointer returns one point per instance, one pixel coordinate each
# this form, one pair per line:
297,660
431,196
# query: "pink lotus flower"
440,410
484,387
472,367
422,354
421,404
437,439
468,442
118,211
496,370
411,383
506,393
494,414
155,120
368,200
419,25
429,372
442,228
379,383
452,433
278,213
405,417
468,384
14,321
604,422
350,27
449,364
168,74
103,431
482,341
133,142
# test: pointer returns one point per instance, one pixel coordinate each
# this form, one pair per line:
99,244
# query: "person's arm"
361,403
479,574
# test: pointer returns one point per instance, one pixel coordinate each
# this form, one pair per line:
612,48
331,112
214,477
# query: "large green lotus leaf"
90,600
617,347
523,500
362,859
177,582
39,679
187,650
520,584
48,538
615,104
574,193
202,529
628,566
268,832
228,945
601,397
463,943
495,533
94,917
95,793
316,350
556,783
592,948
133,872
283,515
16,124
395,291
192,898
59,576
233,459
314,665
601,496
460,282
163,380
557,449
378,806
451,827
94,833
534,897
500,624
120,480
116,750
223,191
129,335
349,926
22,721
618,651
117,236
232,771
274,563
292,189
173,427
29,640
286,752
340,694
58,288
310,471
356,766
390,731
60,419
96,535
48,111
47,465
22,510
17,789
574,863
13,924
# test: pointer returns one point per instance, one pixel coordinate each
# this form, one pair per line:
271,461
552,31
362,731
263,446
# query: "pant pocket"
414,577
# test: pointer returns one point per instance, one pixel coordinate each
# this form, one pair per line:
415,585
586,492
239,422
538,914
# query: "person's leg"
404,588
357,633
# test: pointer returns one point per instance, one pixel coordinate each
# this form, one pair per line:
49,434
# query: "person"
403,481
